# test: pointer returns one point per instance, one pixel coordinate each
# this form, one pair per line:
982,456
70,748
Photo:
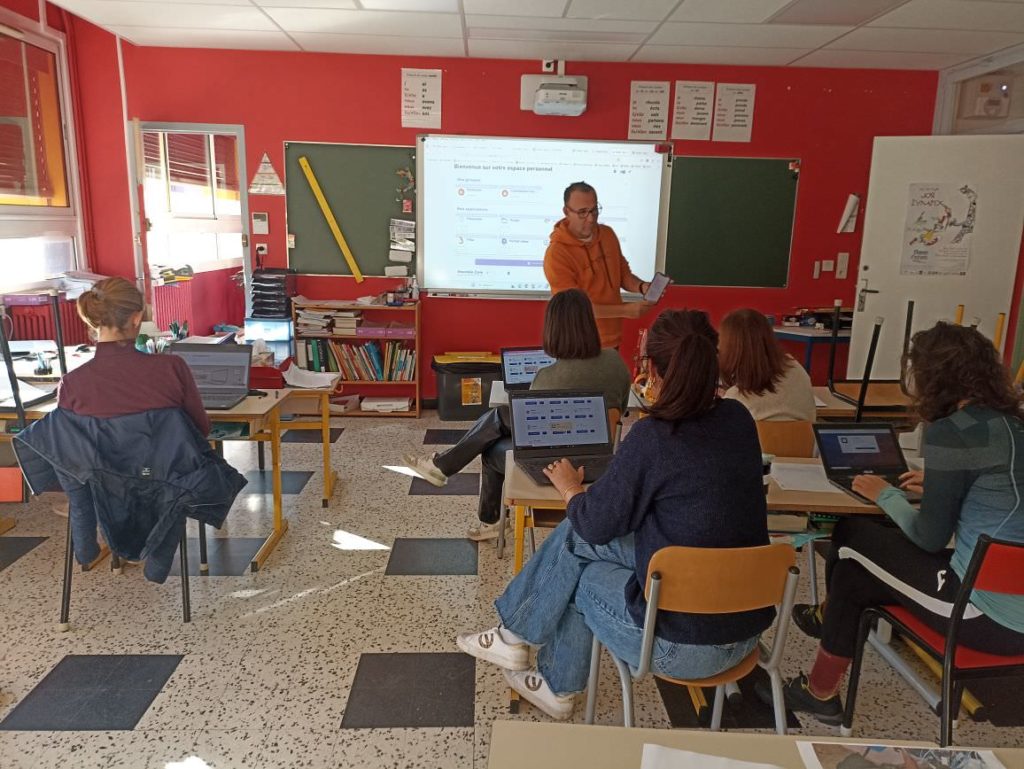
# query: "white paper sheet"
818,402
25,390
660,757
694,104
421,98
832,755
648,110
734,112
799,477
313,380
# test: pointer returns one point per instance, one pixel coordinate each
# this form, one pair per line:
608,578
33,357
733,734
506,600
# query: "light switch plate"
842,264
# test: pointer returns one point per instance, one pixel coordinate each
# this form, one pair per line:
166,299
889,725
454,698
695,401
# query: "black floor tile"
93,692
442,437
12,548
227,556
310,436
750,713
432,556
411,690
262,481
459,485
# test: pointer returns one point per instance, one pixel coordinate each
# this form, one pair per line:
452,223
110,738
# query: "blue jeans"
570,591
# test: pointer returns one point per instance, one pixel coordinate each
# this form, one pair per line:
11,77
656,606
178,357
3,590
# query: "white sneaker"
484,531
491,647
534,689
425,468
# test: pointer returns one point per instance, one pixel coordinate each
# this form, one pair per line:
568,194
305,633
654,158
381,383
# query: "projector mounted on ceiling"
560,95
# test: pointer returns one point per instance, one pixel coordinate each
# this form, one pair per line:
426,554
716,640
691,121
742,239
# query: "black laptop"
860,448
221,372
519,365
552,424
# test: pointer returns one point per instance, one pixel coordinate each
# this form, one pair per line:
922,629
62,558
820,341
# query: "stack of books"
312,322
324,322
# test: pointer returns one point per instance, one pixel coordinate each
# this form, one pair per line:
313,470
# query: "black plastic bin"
464,389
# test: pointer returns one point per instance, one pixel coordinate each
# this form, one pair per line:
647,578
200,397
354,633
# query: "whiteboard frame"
662,234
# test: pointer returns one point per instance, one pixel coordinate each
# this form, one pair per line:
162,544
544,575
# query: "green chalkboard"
360,184
730,221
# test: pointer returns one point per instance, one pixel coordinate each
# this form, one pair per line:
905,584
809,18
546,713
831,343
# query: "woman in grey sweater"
571,338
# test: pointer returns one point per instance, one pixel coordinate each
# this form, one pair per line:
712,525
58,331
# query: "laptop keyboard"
593,468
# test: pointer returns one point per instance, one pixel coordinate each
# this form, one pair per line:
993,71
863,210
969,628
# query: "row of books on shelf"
370,361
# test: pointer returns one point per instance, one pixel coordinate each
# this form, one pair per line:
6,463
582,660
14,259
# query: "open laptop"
221,372
519,365
860,448
555,424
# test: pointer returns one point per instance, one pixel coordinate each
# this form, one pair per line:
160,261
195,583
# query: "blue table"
809,337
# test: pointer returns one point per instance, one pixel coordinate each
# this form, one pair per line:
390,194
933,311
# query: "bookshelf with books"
374,347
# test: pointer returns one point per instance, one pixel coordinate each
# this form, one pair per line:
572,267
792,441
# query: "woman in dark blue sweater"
688,475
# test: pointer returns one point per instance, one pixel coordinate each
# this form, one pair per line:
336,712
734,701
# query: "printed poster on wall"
939,229
648,110
421,98
734,112
691,118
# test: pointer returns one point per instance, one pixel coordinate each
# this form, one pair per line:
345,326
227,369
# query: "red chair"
997,566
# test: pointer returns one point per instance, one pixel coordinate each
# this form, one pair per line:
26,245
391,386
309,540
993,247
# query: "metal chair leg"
626,678
186,601
65,596
716,710
116,567
812,571
204,564
260,456
778,701
593,680
533,542
502,518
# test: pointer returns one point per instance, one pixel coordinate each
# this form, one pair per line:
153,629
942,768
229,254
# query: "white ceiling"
898,34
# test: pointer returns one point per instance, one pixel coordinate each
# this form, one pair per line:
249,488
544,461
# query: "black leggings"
489,438
873,563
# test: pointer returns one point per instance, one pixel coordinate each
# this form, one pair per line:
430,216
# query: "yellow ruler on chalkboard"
318,193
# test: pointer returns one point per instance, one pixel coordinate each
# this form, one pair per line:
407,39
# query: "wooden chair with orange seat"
786,438
702,580
544,518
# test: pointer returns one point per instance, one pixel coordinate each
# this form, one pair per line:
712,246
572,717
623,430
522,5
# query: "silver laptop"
519,365
221,372
549,425
860,448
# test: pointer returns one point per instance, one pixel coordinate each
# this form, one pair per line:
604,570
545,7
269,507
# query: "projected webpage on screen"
488,206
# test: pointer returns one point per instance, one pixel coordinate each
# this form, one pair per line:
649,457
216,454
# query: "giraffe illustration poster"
939,229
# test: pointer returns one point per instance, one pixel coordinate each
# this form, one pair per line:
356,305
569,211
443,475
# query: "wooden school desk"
32,414
809,337
322,402
519,744
879,393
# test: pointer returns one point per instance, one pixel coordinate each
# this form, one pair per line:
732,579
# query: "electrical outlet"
547,65
261,249
842,265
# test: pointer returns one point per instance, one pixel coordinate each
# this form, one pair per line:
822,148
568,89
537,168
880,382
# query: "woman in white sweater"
758,373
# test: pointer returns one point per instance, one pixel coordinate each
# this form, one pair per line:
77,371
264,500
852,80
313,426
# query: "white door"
975,187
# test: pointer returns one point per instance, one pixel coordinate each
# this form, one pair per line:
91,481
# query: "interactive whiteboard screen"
487,205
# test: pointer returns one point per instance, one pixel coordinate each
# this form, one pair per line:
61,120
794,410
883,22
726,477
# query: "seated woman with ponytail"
689,475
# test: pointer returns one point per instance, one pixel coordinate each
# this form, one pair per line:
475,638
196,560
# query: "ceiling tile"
879,59
380,44
383,23
427,6
68,4
107,13
746,35
713,54
956,14
732,12
926,40
341,4
544,8
568,25
646,10
522,49
492,33
205,38
830,12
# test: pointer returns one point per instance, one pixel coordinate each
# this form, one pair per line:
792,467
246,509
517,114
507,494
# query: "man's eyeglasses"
583,213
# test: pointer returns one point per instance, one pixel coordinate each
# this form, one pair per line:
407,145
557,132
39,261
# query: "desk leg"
280,526
6,524
520,527
809,354
325,419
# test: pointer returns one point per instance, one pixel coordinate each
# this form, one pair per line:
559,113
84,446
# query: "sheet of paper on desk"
818,402
310,380
25,390
660,757
832,755
799,477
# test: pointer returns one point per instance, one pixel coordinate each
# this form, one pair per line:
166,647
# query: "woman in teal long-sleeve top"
973,482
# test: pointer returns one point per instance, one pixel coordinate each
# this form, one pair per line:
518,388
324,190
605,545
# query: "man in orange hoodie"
586,255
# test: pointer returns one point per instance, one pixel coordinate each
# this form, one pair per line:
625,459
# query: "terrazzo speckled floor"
270,658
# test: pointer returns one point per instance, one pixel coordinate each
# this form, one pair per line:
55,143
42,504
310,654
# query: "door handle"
862,295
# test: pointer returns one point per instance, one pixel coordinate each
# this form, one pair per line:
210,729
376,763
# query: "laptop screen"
520,365
856,448
555,421
217,369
